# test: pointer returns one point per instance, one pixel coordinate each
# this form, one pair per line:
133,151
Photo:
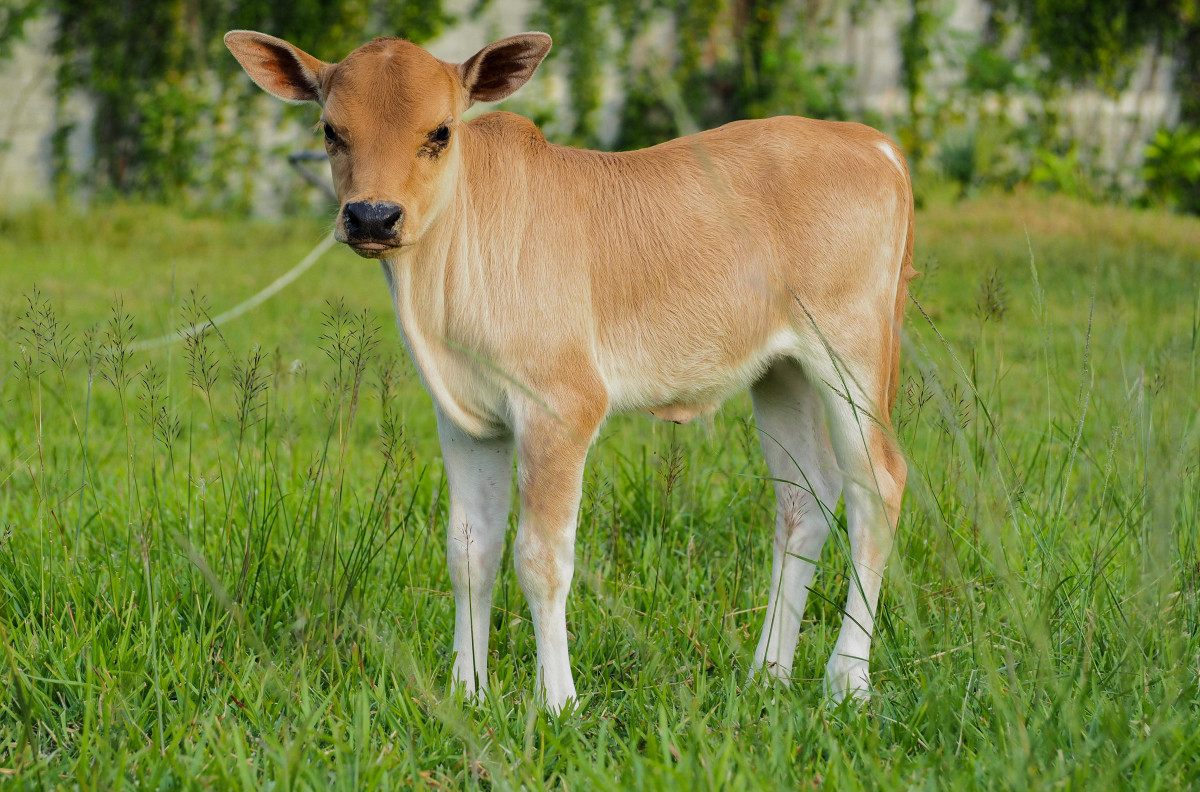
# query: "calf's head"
391,115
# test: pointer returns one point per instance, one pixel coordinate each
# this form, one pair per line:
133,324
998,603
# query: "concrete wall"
1119,125
27,118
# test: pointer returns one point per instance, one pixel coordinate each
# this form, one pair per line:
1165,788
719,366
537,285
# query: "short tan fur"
541,288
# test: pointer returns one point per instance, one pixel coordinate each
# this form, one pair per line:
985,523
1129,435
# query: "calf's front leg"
479,473
551,450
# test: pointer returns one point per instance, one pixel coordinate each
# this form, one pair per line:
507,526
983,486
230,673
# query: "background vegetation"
222,561
175,121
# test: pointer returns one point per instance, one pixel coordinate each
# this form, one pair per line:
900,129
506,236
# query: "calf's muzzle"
369,221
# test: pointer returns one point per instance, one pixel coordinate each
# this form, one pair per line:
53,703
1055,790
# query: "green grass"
222,565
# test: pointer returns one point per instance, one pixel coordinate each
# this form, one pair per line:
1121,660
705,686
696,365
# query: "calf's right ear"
279,68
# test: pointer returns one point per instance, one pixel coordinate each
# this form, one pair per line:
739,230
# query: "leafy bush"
1172,168
1064,173
958,160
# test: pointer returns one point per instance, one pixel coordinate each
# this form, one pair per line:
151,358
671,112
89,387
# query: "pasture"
222,562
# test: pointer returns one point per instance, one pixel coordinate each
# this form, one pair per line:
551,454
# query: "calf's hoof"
557,698
847,678
770,673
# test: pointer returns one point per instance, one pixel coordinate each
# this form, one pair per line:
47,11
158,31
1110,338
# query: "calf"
540,289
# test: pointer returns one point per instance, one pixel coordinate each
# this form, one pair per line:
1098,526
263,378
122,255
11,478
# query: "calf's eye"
331,137
435,142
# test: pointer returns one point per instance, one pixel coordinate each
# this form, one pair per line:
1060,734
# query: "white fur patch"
890,151
632,385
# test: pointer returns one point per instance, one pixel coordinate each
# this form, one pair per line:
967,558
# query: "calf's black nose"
368,220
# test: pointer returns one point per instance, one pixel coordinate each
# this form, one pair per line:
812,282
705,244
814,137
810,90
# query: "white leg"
545,568
874,478
479,473
551,451
795,442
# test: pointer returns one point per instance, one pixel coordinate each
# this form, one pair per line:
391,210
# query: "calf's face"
391,117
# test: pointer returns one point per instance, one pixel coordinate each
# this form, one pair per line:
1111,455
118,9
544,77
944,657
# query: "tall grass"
222,565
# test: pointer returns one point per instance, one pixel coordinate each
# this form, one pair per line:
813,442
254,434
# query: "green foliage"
14,14
1186,50
915,57
176,121
989,71
172,113
1097,40
581,43
415,20
1171,168
992,84
1099,43
726,61
958,159
1069,44
1061,172
223,563
980,130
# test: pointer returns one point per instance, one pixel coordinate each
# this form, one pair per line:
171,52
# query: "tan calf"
541,288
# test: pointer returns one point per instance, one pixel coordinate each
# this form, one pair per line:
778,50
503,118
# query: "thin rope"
270,291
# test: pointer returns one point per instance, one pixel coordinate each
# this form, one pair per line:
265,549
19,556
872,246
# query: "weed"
225,566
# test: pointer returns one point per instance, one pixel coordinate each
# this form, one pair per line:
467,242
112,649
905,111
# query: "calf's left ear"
503,66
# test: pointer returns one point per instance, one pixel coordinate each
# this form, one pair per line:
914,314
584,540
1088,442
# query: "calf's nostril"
391,219
353,218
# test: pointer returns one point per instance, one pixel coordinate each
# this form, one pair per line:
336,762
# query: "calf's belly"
679,385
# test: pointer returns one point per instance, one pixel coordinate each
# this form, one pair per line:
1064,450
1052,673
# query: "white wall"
1120,125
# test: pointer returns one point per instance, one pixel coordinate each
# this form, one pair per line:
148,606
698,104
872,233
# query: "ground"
222,565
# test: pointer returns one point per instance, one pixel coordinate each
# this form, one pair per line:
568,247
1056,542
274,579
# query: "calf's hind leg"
873,475
795,442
